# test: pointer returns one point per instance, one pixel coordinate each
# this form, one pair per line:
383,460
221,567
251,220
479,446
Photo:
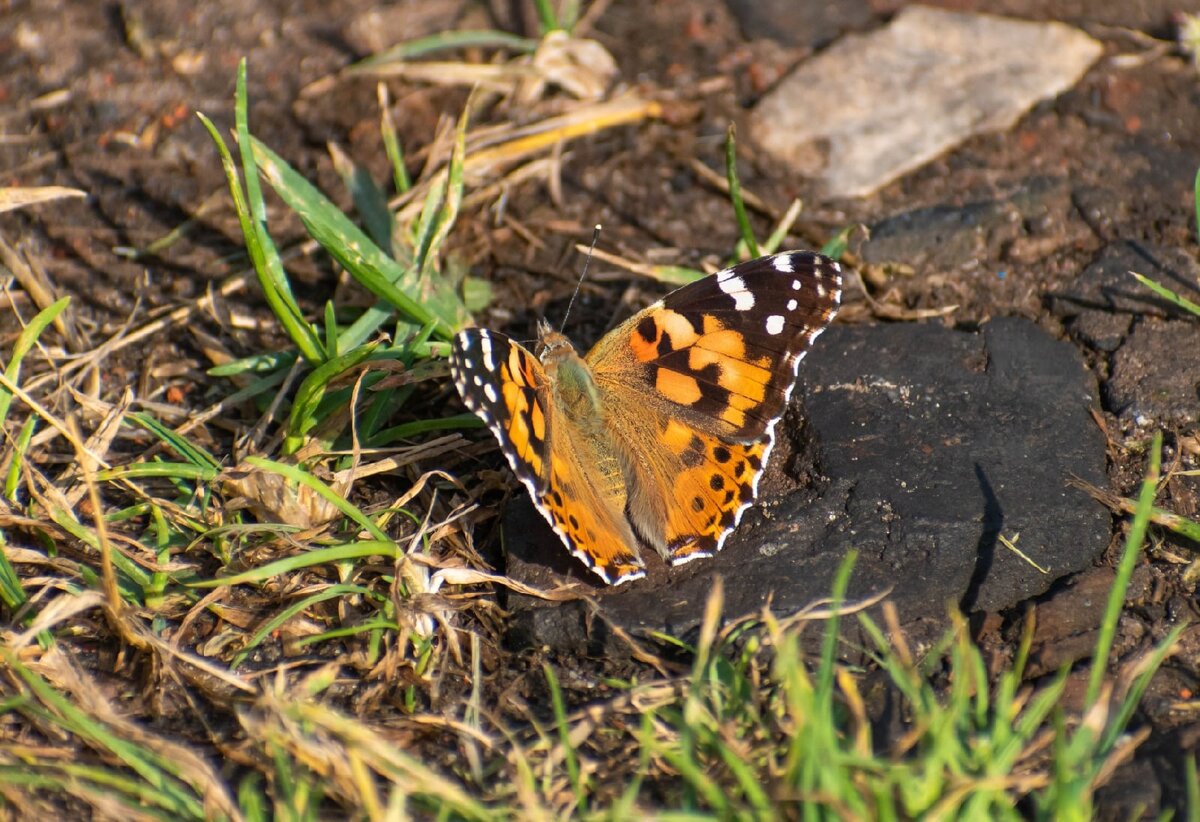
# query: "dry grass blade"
329,743
61,608
32,281
94,720
58,425
489,77
893,312
643,269
14,198
114,605
459,577
583,68
1122,505
121,340
512,145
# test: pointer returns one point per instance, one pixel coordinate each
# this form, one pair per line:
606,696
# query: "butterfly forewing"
504,384
725,349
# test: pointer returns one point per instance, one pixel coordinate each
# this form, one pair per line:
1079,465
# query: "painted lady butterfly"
659,435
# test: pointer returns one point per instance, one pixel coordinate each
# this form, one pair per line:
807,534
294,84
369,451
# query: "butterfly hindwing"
711,482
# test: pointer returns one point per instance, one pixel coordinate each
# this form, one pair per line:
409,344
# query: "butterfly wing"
507,387
709,370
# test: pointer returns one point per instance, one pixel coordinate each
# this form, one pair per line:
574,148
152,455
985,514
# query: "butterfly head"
553,347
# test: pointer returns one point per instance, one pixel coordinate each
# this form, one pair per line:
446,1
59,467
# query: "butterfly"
659,435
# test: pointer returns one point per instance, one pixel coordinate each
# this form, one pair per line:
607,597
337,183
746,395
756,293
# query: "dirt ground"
100,97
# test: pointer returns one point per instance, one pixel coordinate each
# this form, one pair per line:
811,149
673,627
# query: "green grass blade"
547,18
268,263
299,475
309,559
1124,713
264,363
1167,294
354,251
303,417
1129,557
735,193
194,454
12,592
1196,200
408,430
1192,779
23,345
348,630
269,626
570,757
391,143
369,201
263,255
451,199
184,471
158,771
12,480
838,244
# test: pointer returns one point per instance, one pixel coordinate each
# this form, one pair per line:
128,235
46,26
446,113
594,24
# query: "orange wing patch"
593,527
526,420
707,483
704,365
707,500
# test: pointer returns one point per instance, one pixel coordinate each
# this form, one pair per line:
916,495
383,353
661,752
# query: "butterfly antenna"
586,261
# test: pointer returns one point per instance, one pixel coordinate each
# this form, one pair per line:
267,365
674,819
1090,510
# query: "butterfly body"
658,436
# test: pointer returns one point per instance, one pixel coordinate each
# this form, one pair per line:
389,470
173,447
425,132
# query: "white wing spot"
477,379
485,345
467,365
783,263
724,274
836,266
489,391
820,290
795,285
792,305
774,324
735,287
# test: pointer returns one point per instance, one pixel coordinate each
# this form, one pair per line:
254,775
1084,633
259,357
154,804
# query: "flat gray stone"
920,448
875,106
